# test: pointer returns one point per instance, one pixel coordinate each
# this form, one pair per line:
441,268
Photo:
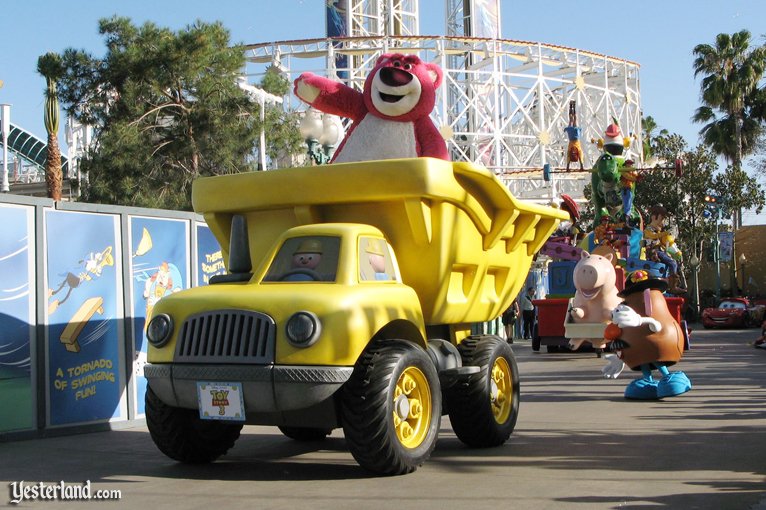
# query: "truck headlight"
303,329
159,330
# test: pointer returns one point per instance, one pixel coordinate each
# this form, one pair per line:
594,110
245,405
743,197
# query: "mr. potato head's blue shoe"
642,389
672,384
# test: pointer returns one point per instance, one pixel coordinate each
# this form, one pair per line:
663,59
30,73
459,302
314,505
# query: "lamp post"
714,203
742,262
322,133
694,261
262,97
717,258
6,129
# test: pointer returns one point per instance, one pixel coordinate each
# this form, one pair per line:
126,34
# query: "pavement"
578,444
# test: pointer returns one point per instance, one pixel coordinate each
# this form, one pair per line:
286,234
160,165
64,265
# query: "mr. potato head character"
646,337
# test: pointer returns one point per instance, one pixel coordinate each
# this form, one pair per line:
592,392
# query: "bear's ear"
382,59
435,73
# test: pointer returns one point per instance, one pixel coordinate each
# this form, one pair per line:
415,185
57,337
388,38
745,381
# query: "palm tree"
649,126
732,101
51,68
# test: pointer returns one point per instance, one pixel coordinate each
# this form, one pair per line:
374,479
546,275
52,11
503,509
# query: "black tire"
183,436
305,433
535,339
369,404
479,409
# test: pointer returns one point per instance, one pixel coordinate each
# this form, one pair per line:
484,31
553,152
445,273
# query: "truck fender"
402,329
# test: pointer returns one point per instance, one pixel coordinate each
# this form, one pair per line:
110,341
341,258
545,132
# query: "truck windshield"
306,259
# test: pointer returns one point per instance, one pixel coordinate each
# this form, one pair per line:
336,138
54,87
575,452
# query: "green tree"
739,191
649,127
760,160
284,137
166,107
683,196
732,103
661,186
51,68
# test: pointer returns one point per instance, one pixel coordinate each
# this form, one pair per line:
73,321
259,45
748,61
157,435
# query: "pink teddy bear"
391,118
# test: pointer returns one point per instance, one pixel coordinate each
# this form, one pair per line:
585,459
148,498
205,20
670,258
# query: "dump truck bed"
463,242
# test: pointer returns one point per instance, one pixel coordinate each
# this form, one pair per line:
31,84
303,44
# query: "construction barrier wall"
77,282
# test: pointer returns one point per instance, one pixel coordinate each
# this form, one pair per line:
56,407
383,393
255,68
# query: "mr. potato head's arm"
625,317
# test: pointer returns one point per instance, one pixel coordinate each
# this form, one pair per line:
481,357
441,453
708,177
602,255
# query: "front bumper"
266,388
724,322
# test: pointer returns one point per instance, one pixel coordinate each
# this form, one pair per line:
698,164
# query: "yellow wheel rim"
412,407
501,390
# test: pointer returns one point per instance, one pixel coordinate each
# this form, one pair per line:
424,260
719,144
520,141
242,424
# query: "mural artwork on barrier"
209,256
84,333
17,317
159,266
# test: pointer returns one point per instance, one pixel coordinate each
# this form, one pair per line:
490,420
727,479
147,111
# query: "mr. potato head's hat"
309,246
639,281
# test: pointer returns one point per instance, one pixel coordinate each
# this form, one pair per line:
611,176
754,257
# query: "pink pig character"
596,295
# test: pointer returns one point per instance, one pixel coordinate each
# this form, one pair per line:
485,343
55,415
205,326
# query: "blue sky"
657,34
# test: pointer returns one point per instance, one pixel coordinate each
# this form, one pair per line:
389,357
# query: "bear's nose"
394,77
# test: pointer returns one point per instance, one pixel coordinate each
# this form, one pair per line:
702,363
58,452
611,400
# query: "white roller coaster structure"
504,104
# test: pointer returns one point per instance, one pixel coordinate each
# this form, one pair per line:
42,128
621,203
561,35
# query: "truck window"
375,262
306,259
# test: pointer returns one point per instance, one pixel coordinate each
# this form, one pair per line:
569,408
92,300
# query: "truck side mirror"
240,265
239,246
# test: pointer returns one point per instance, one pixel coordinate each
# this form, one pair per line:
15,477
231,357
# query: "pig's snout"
588,277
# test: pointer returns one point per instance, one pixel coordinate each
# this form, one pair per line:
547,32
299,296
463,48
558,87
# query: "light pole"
262,97
322,133
714,202
695,263
6,128
717,258
742,262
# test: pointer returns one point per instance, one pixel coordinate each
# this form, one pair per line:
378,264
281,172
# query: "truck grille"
226,336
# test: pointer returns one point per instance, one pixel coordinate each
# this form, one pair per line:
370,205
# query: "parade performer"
574,132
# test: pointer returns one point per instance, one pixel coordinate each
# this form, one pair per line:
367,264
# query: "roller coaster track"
32,149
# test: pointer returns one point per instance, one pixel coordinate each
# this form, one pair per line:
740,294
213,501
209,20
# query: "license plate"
220,401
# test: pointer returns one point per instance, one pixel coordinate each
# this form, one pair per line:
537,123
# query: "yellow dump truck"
348,303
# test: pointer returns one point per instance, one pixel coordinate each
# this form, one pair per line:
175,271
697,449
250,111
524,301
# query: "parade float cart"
348,302
555,327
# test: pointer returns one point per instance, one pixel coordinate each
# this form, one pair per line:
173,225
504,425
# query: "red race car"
733,313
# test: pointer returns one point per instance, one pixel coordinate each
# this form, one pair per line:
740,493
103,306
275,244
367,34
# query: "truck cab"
293,331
